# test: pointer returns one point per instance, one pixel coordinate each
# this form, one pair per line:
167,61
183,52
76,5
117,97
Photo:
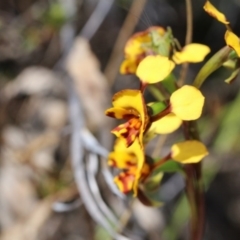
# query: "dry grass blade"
125,32
77,156
92,168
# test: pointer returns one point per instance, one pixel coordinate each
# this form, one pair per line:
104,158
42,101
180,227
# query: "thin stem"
190,191
156,93
158,164
194,187
188,40
161,114
143,86
162,161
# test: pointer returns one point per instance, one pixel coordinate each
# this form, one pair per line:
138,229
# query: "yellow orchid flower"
193,53
129,104
231,39
186,152
137,48
131,160
187,103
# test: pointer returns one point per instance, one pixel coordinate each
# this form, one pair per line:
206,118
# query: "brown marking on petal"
125,178
128,116
124,135
129,131
132,113
120,127
127,71
131,164
131,137
110,114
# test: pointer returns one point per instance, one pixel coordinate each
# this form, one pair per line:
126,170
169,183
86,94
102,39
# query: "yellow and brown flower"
131,162
137,48
129,104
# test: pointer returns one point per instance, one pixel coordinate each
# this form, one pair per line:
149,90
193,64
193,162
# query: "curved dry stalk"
92,167
188,40
77,160
129,24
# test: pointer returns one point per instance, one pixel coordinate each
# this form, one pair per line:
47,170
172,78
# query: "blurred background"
59,62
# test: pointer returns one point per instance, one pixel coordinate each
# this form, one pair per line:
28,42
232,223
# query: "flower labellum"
129,105
131,160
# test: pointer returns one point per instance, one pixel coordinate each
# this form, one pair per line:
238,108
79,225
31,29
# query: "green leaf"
231,64
153,181
233,76
179,219
215,62
156,93
169,83
227,138
157,107
169,167
151,199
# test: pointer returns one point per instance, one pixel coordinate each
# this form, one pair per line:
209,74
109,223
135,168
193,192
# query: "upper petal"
120,113
187,103
232,40
193,52
133,101
135,46
129,66
212,11
153,69
189,151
